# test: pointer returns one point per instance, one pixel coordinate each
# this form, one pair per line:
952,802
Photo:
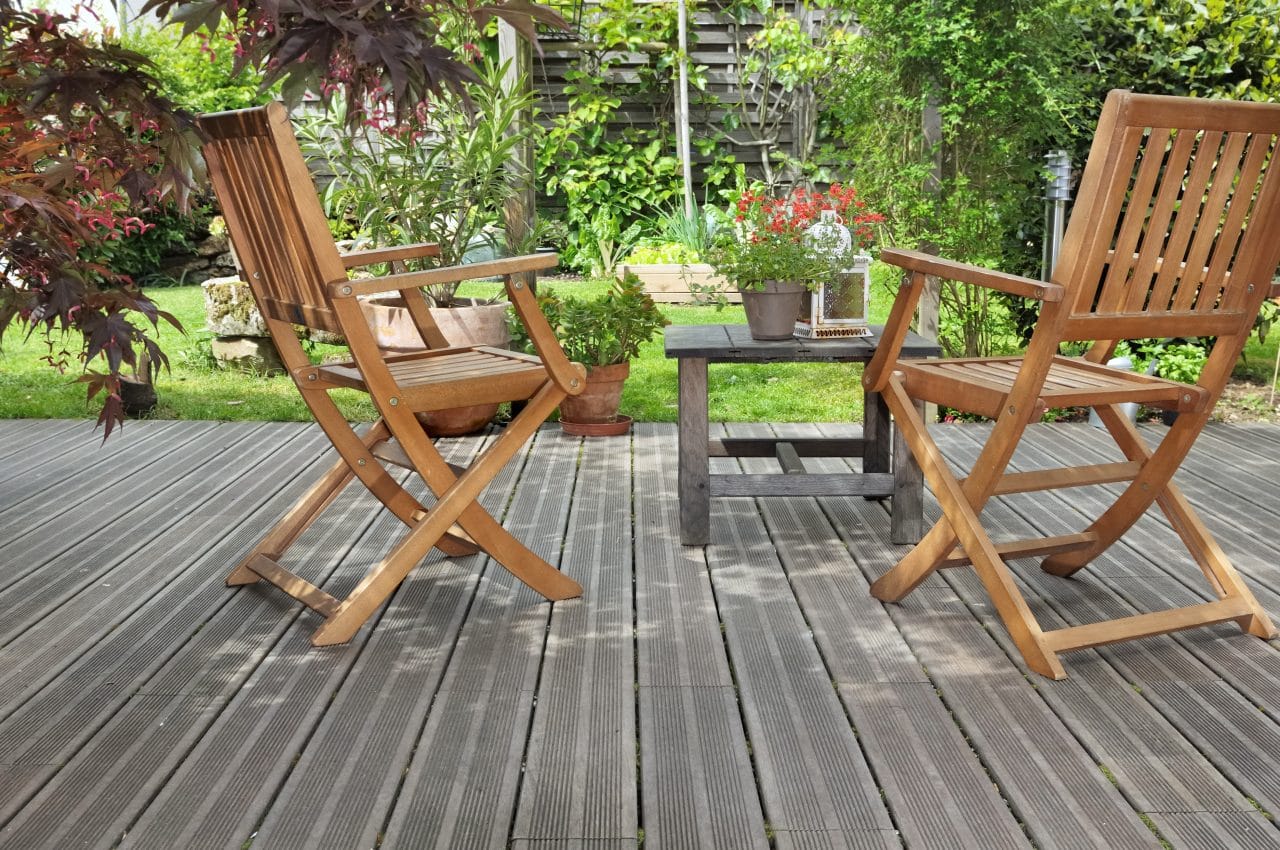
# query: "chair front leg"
928,554
455,499
960,520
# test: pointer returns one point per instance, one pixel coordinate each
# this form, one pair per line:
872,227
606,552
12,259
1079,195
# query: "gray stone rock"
256,354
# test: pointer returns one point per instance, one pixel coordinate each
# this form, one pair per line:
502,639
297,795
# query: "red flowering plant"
769,239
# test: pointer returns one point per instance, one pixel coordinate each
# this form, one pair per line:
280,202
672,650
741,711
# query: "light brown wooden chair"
1175,232
299,277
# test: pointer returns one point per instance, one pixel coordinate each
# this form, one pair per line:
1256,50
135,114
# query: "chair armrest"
355,259
446,274
565,374
917,261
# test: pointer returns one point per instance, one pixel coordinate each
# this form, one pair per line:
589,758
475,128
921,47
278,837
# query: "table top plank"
733,343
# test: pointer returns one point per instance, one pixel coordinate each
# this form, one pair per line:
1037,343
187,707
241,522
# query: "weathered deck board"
579,781
698,789
813,775
749,694
460,790
1137,738
932,779
148,584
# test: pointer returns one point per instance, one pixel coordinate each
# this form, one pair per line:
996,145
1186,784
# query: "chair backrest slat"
1169,210
1084,248
1260,149
1132,232
273,213
1166,207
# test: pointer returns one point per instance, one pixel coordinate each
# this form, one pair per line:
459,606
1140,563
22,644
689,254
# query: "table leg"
694,472
906,520
875,434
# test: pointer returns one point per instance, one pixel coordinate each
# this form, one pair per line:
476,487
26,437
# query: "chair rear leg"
357,453
489,534
517,558
1150,483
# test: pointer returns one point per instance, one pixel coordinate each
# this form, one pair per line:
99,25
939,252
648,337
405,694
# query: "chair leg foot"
242,575
336,630
1058,565
1258,625
1043,661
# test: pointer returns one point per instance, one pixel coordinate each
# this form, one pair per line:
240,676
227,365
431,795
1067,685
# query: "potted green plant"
603,334
774,258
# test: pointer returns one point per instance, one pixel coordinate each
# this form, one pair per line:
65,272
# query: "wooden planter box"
669,282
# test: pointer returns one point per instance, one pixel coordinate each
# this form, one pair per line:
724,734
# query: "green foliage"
975,321
1215,48
662,252
141,255
785,62
1182,362
607,178
441,177
693,230
994,74
600,331
198,75
1175,359
997,81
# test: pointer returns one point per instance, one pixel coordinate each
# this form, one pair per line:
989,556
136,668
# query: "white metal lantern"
839,307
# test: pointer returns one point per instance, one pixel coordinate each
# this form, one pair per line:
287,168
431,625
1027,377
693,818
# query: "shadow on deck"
749,694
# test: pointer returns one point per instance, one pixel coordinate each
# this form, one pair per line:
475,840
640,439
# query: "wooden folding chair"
298,277
1175,233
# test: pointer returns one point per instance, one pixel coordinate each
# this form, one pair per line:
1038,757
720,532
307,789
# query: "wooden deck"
749,694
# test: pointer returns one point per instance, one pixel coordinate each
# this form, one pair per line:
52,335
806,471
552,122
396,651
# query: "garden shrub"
197,74
608,179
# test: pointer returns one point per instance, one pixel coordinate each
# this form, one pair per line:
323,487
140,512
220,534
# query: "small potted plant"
774,258
602,334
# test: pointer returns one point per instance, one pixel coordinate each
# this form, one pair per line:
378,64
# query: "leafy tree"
400,52
610,177
997,77
88,140
199,74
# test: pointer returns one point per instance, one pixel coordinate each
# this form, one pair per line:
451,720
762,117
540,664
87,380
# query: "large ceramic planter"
773,309
596,407
476,324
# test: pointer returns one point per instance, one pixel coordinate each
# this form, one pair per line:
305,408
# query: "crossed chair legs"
962,504
457,524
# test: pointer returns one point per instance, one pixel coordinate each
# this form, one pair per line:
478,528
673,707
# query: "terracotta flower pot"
598,403
773,310
478,324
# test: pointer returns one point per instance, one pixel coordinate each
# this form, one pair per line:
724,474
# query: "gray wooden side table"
694,346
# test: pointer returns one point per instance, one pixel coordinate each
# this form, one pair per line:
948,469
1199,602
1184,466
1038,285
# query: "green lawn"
196,388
